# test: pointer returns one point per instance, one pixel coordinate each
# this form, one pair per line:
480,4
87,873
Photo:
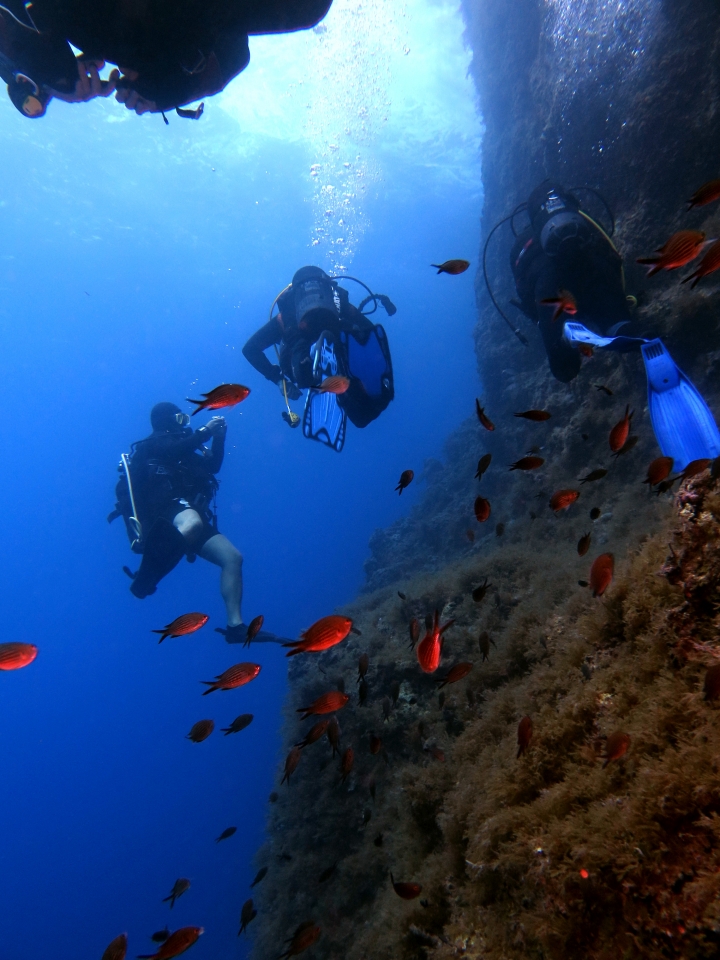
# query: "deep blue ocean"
135,261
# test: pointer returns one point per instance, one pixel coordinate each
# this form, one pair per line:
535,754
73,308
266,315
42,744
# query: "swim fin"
684,427
323,418
164,548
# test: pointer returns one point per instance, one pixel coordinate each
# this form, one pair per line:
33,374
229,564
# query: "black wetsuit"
582,260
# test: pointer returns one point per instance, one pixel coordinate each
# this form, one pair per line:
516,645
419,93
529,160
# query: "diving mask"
182,419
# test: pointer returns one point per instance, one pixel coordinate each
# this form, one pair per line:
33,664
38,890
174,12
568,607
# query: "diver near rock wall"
168,54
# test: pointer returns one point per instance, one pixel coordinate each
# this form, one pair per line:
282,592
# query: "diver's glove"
293,392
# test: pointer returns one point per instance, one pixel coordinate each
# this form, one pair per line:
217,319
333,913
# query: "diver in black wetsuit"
170,52
167,507
564,249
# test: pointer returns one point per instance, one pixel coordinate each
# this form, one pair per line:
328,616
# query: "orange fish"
375,744
254,628
524,735
694,468
430,647
616,746
314,733
527,463
586,350
226,395
601,573
291,762
563,499
619,433
235,676
408,891
182,625
336,385
659,470
346,763
406,478
482,509
201,731
583,544
538,416
458,672
711,685
564,302
483,418
681,248
709,264
453,267
180,887
323,634
327,703
708,193
117,950
176,943
305,936
15,655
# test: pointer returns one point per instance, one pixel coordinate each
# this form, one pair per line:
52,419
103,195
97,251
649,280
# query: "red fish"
482,509
524,735
336,385
708,193
619,433
408,891
305,936
254,628
538,416
314,733
586,350
323,634
235,676
583,544
327,703
117,950
681,248
616,746
183,625
694,468
430,647
406,478
177,943
659,470
291,762
456,673
564,302
482,416
346,763
709,264
453,267
563,499
226,395
15,655
601,573
527,463
201,731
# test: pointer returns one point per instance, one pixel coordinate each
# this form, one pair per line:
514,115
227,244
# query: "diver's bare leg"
220,551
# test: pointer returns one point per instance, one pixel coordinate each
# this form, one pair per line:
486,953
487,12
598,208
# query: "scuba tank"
556,219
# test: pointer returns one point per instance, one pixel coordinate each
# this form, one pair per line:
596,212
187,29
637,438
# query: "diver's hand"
131,98
89,85
217,427
293,392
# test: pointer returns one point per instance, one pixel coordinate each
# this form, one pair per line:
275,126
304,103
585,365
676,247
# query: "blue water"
135,260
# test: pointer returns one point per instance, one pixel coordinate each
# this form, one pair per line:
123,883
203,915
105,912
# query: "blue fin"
684,427
324,419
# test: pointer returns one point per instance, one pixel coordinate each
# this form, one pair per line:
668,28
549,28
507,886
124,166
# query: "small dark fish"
595,513
483,464
238,724
226,395
470,534
315,733
285,856
429,620
482,416
406,478
470,697
180,887
201,731
441,700
274,797
401,595
482,509
189,114
456,673
333,735
327,873
407,891
254,628
681,248
453,267
386,707
711,686
564,302
363,664
616,746
304,937
527,463
414,628
378,841
484,640
626,447
363,691
247,915
499,529
585,436
537,416
595,475
117,949
478,593
160,936
694,468
524,735
371,787
367,817
183,625
583,544
260,875
708,193
291,762
346,763
395,691
583,583
666,485
659,470
375,744
606,390
563,499
533,515
227,832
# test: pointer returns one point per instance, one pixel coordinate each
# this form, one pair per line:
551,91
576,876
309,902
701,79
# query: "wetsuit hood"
163,417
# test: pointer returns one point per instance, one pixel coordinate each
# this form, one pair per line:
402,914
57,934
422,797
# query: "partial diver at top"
169,52
329,347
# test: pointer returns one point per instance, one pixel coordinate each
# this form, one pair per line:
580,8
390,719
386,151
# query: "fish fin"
695,274
292,653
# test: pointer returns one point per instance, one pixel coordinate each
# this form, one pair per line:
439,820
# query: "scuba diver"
170,52
166,495
319,334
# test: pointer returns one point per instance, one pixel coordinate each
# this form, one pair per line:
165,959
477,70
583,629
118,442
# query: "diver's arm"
170,446
261,340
